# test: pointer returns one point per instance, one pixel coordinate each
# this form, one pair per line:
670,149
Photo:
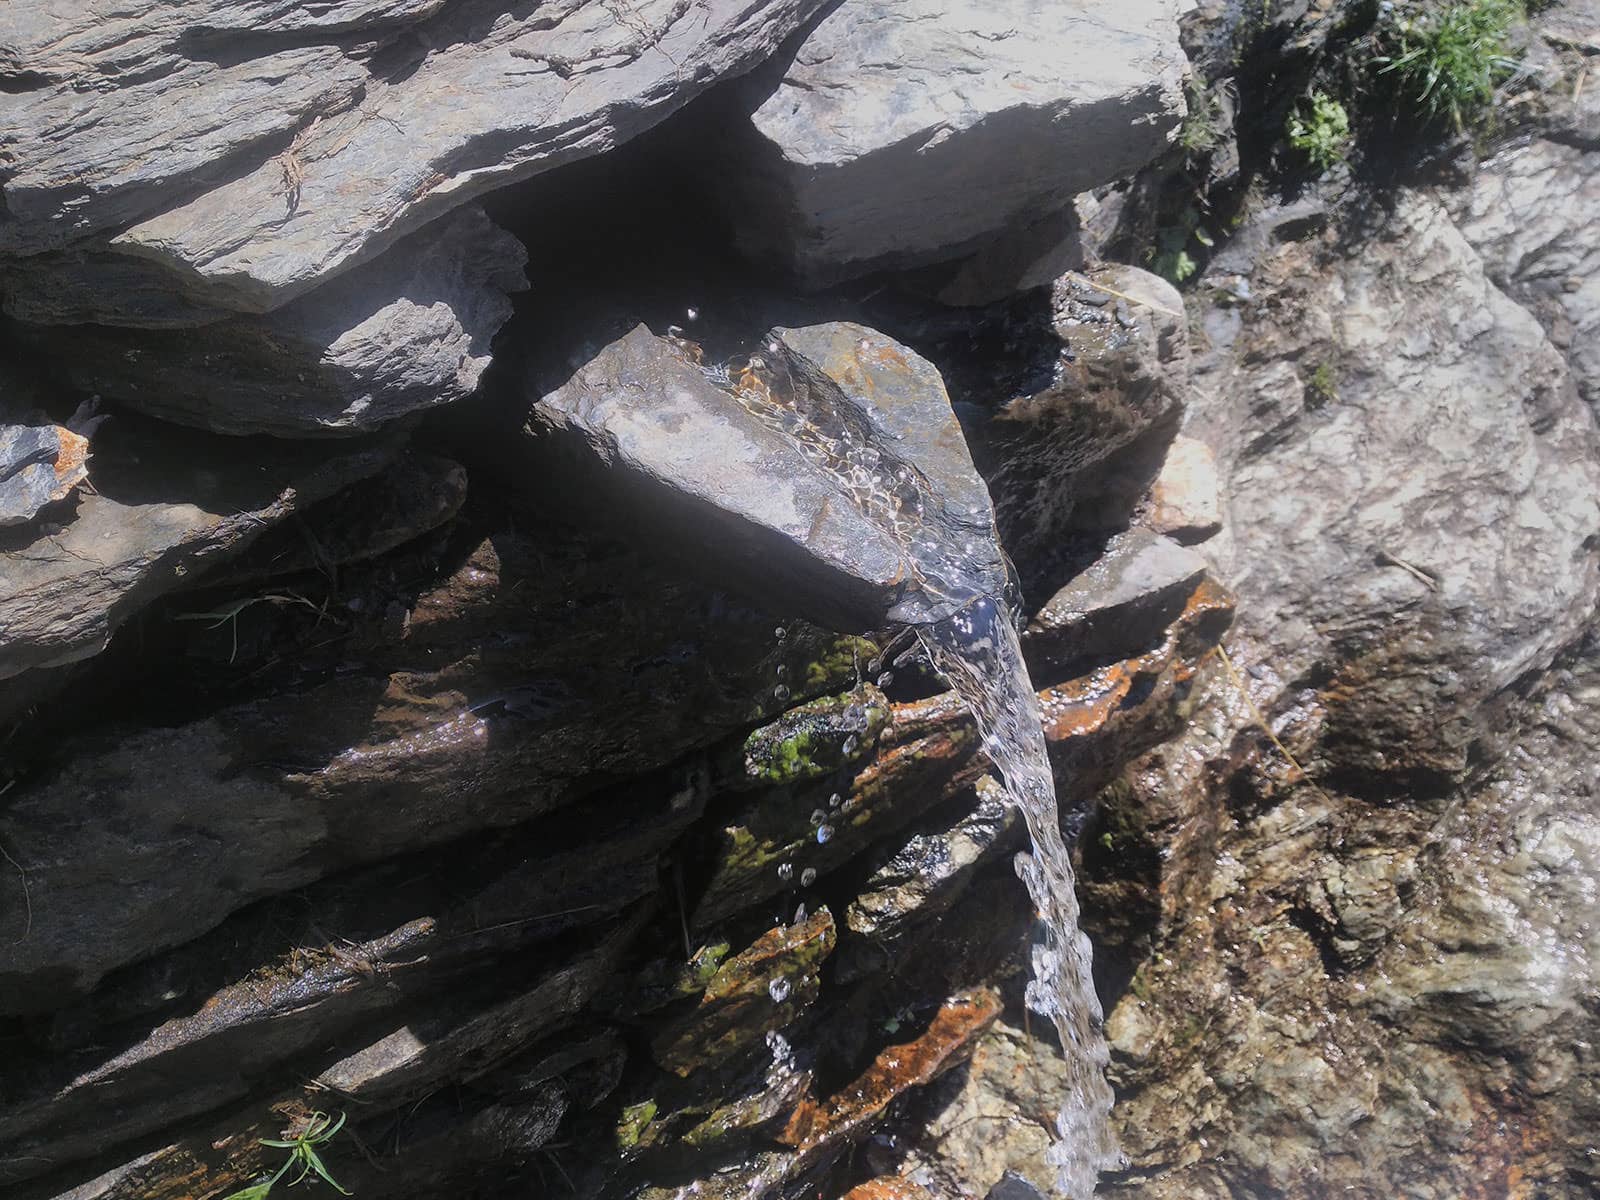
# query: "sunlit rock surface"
906,133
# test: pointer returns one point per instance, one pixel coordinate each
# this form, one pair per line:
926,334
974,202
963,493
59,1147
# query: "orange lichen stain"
888,1187
1084,705
74,453
896,1070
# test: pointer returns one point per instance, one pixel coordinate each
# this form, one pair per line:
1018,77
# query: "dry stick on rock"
1261,720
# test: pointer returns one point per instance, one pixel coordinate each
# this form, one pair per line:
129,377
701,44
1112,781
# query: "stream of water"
977,651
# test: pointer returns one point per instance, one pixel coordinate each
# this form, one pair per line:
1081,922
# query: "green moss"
816,738
635,1121
839,664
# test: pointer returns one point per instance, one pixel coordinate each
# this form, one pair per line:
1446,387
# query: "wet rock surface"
775,476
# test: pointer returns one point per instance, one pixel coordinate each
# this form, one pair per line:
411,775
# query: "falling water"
977,651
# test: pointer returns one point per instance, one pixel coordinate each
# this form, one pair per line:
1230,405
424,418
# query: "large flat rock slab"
256,181
907,133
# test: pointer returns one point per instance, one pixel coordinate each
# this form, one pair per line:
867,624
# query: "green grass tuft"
1449,59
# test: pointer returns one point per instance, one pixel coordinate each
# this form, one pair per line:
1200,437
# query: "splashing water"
977,651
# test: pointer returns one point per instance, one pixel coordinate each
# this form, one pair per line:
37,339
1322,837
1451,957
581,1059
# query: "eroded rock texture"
1371,968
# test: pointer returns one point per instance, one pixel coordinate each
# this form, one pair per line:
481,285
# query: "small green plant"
1171,258
1201,129
1322,132
302,1148
1450,58
1322,388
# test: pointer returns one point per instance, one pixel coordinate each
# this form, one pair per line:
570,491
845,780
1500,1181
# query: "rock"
773,844
887,1187
832,479
929,872
406,334
760,989
1420,557
254,173
166,507
1119,606
1088,408
815,740
418,494
483,908
1186,499
990,1124
488,688
1364,962
39,464
1518,215
901,136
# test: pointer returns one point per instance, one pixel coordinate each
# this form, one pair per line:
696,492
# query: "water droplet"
780,633
785,871
824,832
781,692
782,670
692,313
779,990
850,744
833,800
818,816
886,679
808,877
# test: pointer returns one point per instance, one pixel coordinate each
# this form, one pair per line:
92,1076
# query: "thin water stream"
976,649
978,653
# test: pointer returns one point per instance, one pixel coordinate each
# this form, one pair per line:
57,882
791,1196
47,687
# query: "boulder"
256,151
403,335
904,134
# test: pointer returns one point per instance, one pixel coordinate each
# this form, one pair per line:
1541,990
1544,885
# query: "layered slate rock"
405,334
164,509
254,172
829,474
903,134
482,684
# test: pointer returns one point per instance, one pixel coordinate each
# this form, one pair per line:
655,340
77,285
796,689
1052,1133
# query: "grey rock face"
254,183
1118,606
1420,516
1369,978
1518,214
39,464
133,539
405,334
906,133
831,475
